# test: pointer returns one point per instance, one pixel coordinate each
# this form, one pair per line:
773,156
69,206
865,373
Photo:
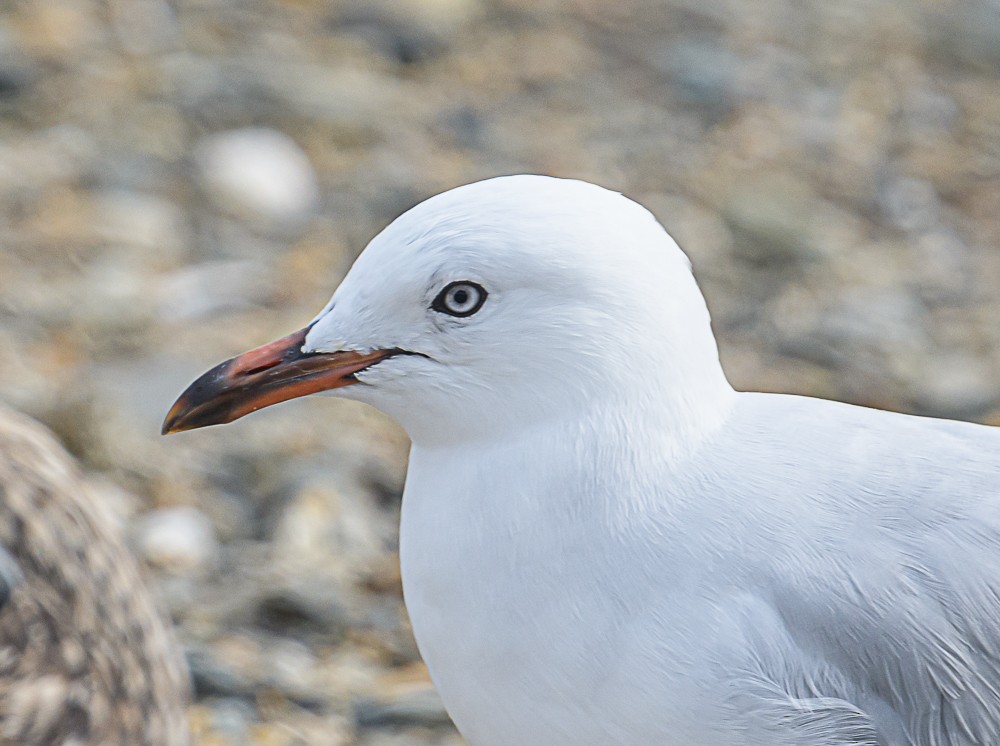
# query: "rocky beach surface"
183,180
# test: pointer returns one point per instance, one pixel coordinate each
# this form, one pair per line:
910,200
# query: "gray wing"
888,582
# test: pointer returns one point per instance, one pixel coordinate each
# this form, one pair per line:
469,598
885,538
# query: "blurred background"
181,180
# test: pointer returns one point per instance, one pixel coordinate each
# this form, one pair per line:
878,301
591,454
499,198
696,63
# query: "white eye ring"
461,299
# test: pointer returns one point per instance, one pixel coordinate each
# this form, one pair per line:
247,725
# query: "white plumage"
603,543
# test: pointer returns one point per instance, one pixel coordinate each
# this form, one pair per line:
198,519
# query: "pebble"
180,539
231,718
968,34
16,72
422,707
213,678
703,71
912,205
210,288
260,175
862,334
408,31
957,386
145,26
307,607
142,222
773,222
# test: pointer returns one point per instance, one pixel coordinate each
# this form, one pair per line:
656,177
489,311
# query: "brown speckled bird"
84,656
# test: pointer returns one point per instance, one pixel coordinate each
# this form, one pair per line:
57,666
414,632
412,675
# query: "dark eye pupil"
460,299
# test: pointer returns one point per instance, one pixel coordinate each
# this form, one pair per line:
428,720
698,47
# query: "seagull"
602,542
85,658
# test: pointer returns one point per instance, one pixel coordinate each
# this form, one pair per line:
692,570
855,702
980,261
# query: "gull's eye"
462,298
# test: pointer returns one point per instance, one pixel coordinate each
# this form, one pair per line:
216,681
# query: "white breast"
530,616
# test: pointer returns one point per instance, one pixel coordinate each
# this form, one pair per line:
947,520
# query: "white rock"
209,288
145,26
258,174
180,539
142,221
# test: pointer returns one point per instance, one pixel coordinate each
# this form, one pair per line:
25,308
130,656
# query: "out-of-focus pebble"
179,539
260,175
421,707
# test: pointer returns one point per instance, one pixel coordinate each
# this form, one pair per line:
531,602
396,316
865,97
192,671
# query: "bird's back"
816,573
84,655
874,538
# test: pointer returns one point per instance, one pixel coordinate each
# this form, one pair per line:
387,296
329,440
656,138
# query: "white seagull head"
489,307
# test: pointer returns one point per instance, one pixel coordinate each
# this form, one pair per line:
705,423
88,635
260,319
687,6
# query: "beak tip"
170,426
177,420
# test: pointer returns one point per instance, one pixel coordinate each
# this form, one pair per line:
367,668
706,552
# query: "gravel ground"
182,180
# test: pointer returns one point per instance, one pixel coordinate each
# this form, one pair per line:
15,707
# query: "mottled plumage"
84,656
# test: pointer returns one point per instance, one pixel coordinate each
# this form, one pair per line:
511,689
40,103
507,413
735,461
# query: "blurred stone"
145,26
700,232
133,395
876,338
304,606
113,295
339,528
291,666
421,707
385,577
177,594
297,727
957,386
943,267
466,125
929,111
774,222
258,174
410,31
231,719
910,204
352,100
203,290
17,72
142,221
179,539
232,515
968,33
58,28
883,319
409,737
213,678
58,155
703,71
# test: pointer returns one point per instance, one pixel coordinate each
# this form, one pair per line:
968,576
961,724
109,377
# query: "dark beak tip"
185,413
189,413
174,429
182,424
172,423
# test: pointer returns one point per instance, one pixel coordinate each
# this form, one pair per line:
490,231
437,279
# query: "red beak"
267,375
